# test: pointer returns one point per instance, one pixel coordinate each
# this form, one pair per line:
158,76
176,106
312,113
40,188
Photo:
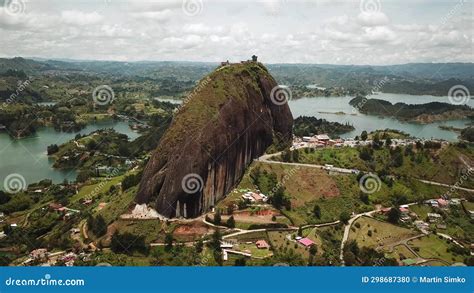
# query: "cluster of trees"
268,183
52,149
365,256
131,180
97,225
468,134
307,126
128,243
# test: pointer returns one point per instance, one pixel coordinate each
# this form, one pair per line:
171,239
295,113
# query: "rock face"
231,117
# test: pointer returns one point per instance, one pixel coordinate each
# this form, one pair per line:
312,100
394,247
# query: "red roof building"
262,244
442,202
306,241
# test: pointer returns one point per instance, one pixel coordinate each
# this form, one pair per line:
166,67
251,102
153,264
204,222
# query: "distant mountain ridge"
413,78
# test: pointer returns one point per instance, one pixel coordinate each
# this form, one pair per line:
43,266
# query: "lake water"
330,105
28,157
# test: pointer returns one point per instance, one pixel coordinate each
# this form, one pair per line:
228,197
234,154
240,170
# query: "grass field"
431,246
401,252
148,228
383,233
468,205
252,248
279,241
441,165
421,210
103,185
117,204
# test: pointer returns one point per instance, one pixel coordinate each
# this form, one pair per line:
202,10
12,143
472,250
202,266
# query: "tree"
296,155
363,135
217,217
388,142
168,241
279,199
344,217
365,154
52,149
215,246
199,246
286,156
376,141
97,225
231,222
317,211
364,197
127,243
240,262
4,198
313,250
394,215
300,231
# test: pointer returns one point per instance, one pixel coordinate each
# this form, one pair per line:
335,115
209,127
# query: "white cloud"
159,16
277,30
372,18
75,17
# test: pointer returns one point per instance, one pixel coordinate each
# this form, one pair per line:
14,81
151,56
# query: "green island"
421,113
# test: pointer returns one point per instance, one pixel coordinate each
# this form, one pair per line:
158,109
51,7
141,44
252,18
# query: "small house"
39,254
442,203
262,244
55,206
306,242
434,217
323,138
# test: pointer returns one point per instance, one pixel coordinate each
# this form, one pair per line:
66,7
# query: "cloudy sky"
279,31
